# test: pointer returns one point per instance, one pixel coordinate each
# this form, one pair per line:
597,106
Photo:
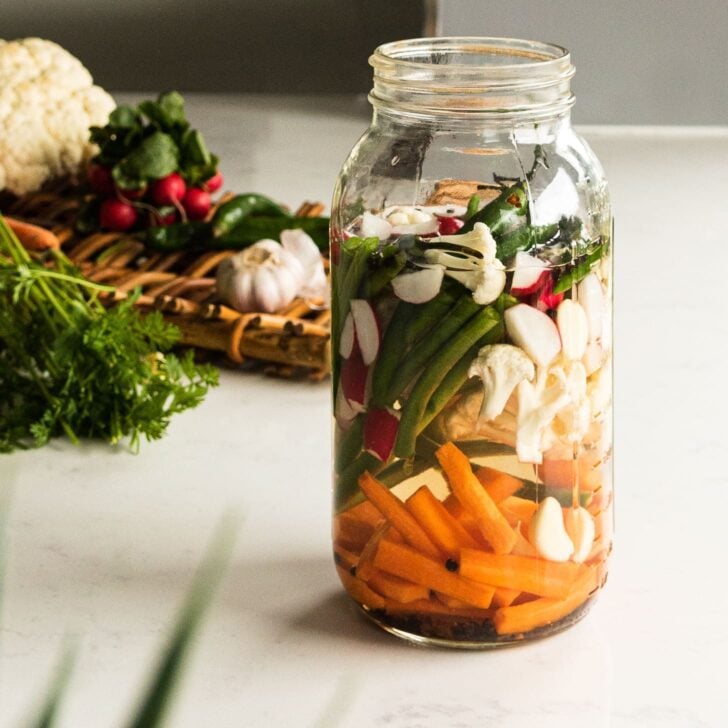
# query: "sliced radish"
380,432
419,287
529,275
546,300
591,296
448,225
354,374
344,412
348,337
573,328
534,332
367,329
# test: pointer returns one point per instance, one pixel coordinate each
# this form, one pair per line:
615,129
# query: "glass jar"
471,335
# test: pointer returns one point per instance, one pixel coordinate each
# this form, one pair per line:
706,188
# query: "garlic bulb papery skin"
300,244
264,277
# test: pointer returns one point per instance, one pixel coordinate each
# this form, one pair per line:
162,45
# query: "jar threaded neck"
469,77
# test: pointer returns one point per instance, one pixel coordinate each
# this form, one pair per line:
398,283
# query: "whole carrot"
33,237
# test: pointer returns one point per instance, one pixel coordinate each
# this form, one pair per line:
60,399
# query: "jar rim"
535,54
468,75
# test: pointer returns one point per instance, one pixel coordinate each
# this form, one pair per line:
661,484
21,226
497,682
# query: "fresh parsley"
69,365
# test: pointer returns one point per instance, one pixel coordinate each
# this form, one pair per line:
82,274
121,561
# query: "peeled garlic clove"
573,328
580,527
547,532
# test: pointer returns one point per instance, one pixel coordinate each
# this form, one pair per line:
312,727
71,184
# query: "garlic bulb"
267,276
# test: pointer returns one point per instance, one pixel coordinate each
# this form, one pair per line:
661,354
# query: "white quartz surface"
102,543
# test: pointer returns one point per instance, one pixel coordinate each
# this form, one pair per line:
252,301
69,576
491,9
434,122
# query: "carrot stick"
364,568
366,512
539,612
351,533
359,591
522,508
505,597
434,606
392,587
444,531
499,485
407,563
33,237
456,510
536,576
523,546
394,511
474,498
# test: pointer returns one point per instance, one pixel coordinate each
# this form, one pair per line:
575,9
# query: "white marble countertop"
102,543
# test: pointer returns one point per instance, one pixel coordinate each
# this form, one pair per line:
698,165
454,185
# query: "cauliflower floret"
475,265
47,104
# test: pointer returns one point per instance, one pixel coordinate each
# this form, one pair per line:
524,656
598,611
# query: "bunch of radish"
164,201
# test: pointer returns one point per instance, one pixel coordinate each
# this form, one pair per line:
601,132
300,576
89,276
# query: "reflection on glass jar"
471,275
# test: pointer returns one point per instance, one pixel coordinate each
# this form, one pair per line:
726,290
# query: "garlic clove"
547,532
580,527
573,328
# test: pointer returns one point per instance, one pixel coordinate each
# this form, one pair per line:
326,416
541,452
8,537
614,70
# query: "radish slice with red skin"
344,412
529,275
380,433
534,332
546,300
448,225
354,373
367,330
419,287
348,337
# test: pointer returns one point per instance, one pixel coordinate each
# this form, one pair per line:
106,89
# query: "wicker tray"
293,342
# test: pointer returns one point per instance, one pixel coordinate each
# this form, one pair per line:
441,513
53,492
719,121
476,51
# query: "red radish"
100,179
348,337
367,329
197,203
380,432
534,332
529,274
591,296
419,287
546,300
214,183
169,190
117,215
448,225
354,373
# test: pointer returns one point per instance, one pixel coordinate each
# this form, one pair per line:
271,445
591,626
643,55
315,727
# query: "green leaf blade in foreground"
47,715
155,704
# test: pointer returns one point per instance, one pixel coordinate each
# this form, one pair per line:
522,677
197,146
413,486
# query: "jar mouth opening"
472,55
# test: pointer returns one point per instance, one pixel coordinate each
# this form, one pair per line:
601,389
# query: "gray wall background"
638,62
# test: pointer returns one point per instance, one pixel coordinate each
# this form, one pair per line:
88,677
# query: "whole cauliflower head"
47,103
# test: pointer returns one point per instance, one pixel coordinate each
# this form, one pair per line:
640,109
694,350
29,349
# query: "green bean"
580,271
456,377
436,371
349,443
347,482
391,349
442,330
524,237
382,276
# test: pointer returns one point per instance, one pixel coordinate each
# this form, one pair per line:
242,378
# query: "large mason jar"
471,243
